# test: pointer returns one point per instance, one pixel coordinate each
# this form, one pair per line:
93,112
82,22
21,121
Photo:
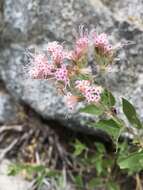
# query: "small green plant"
101,170
96,168
78,83
38,173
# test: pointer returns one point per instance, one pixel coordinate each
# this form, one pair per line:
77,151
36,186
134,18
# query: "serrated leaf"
92,109
130,113
108,99
132,162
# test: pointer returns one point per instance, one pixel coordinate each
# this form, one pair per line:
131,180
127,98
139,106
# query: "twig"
14,127
138,183
3,152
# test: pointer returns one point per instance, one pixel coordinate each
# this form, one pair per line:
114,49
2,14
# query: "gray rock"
8,109
33,22
127,10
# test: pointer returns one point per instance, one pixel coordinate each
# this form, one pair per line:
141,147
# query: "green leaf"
107,98
132,162
100,148
99,165
95,182
83,77
92,109
13,170
130,113
109,126
78,180
79,148
112,186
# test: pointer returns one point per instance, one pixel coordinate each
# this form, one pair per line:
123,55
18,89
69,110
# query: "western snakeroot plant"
72,74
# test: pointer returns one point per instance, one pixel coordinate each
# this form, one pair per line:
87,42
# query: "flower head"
81,85
61,74
53,64
80,49
82,43
56,51
93,94
40,67
101,42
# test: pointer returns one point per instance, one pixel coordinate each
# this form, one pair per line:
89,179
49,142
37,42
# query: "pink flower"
74,55
93,94
61,74
101,40
102,43
71,101
108,49
56,52
82,43
81,85
80,49
40,67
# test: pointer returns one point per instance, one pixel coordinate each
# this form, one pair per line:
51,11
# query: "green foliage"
39,172
78,181
108,99
110,126
133,162
130,113
17,168
79,148
92,109
98,162
95,168
95,182
128,157
112,186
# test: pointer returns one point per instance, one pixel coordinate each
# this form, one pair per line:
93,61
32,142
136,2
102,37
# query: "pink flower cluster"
91,93
56,51
61,74
82,85
66,67
40,67
50,64
80,49
102,44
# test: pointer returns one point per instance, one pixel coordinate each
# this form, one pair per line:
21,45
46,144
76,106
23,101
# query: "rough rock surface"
8,108
35,22
10,182
131,11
